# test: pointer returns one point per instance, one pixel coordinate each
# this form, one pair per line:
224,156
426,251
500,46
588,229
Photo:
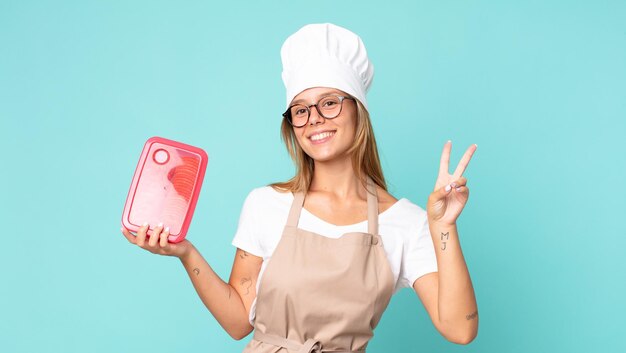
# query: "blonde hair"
364,154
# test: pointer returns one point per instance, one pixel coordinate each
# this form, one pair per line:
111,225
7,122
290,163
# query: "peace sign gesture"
447,200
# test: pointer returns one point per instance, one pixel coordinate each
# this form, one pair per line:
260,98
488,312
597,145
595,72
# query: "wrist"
187,250
440,224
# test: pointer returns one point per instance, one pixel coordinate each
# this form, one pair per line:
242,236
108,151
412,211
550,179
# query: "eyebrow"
320,96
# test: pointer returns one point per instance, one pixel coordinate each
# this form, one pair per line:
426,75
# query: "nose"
315,117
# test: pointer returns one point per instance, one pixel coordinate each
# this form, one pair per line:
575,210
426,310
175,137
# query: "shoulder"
266,199
385,199
401,207
266,194
410,209
265,210
405,215
263,215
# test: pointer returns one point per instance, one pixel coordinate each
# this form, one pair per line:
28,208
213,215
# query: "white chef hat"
326,55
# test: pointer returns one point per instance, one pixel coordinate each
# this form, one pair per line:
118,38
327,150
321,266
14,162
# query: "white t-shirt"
403,228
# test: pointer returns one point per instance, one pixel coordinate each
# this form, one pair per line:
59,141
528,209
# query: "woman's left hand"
446,202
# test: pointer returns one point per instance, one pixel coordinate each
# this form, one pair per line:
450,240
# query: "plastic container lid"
165,187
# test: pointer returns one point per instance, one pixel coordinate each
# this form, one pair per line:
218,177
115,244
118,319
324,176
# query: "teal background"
540,86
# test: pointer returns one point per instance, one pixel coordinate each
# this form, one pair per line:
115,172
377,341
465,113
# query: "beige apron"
320,294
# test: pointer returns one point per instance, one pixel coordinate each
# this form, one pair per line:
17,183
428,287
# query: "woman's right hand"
157,242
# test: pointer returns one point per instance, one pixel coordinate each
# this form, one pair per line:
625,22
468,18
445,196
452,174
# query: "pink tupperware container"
165,187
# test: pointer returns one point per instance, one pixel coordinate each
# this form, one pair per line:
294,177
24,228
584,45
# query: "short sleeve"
418,256
247,237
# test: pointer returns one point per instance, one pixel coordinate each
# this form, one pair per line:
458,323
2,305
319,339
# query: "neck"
338,178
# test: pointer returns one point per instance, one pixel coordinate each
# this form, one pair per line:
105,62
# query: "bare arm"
448,295
228,302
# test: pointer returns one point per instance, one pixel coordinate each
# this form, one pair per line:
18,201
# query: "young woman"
319,256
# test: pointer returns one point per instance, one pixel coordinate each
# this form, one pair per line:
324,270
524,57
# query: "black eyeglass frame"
287,113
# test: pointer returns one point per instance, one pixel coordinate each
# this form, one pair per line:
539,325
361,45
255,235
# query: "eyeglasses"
328,107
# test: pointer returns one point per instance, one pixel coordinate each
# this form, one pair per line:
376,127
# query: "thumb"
444,190
441,193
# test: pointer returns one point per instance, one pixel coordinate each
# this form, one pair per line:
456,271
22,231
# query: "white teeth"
323,135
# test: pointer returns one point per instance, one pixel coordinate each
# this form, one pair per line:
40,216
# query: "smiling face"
326,139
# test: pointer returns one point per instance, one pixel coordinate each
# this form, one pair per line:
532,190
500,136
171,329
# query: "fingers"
462,181
445,158
154,238
458,186
464,161
157,241
141,234
164,236
461,190
443,191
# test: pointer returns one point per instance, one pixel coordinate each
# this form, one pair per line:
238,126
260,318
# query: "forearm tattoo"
472,316
196,271
445,236
246,283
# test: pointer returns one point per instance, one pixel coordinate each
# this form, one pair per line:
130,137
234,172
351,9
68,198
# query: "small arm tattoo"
246,283
446,236
472,315
196,271
244,255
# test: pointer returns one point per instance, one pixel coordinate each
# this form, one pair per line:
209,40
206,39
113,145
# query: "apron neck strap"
296,207
372,208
